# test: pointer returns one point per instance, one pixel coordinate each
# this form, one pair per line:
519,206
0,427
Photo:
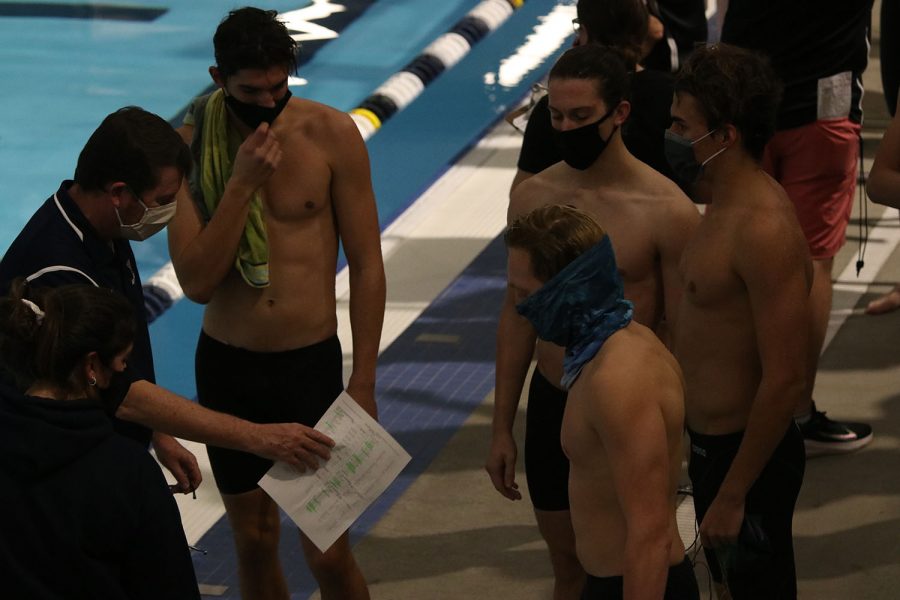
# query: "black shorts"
761,564
264,387
546,465
680,585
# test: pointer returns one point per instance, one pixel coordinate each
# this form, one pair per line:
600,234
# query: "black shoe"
822,436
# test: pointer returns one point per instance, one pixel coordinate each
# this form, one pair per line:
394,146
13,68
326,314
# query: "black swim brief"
264,387
546,465
680,585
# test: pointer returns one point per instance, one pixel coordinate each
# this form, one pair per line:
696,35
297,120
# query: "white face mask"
152,221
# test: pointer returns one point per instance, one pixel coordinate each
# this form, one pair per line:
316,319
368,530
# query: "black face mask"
252,115
112,397
581,147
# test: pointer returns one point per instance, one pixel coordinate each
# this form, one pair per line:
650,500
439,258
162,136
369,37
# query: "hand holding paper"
364,461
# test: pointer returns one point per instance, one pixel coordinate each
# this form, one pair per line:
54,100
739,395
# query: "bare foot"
884,304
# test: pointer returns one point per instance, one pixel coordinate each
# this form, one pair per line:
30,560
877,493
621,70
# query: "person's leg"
763,565
547,475
262,387
890,83
318,371
820,295
228,381
885,303
681,584
708,463
568,574
817,164
256,525
335,570
604,588
890,52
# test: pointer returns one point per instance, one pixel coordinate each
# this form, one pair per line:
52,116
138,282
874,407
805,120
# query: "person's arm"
178,460
675,231
203,254
774,264
162,410
883,185
632,430
357,221
515,349
520,176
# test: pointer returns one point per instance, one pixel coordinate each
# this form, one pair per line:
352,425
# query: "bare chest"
630,231
300,188
706,268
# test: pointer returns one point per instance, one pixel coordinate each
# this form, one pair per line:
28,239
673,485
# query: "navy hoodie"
84,512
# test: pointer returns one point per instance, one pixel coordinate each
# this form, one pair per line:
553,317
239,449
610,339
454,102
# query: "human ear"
91,368
729,134
117,191
622,112
216,75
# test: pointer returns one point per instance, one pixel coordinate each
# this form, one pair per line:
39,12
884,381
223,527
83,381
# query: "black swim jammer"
264,387
761,564
546,465
680,585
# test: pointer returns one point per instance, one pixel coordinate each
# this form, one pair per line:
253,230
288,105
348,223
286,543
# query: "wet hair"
733,86
131,145
252,38
602,64
621,24
553,236
76,320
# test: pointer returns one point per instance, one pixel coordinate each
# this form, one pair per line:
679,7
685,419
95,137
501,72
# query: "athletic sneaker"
822,435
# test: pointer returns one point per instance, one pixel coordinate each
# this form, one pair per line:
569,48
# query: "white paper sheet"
364,462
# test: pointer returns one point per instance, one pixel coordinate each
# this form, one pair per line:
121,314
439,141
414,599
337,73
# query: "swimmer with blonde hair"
624,417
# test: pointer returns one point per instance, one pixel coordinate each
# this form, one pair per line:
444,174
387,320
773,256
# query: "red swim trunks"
817,166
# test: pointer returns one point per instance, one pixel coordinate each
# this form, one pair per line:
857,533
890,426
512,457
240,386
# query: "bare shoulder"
660,196
538,190
631,351
671,201
319,122
768,235
770,217
186,132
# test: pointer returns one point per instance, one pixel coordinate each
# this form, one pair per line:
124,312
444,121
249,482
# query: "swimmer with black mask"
648,219
281,180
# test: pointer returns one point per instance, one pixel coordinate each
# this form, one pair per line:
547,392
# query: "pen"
174,488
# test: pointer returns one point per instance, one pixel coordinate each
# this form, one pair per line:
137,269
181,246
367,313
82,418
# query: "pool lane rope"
403,87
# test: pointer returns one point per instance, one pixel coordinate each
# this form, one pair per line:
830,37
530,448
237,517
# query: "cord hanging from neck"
863,212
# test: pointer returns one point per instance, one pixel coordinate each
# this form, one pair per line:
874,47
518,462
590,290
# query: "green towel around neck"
216,164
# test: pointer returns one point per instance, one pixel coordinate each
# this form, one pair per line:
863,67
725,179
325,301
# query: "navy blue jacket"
84,513
58,246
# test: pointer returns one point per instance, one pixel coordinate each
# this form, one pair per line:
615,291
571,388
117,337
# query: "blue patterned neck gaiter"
580,308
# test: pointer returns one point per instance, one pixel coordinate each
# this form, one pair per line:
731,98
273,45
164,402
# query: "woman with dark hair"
86,512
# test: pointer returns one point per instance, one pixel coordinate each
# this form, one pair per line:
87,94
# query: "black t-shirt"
685,27
643,132
806,41
86,513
